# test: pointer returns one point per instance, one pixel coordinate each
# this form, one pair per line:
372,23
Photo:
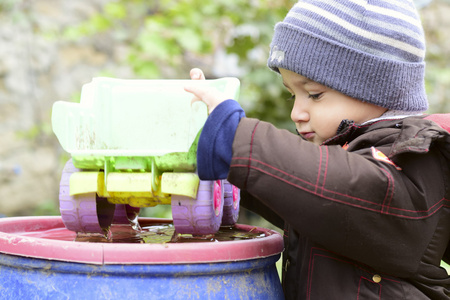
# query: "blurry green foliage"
159,211
438,87
167,38
46,208
6,5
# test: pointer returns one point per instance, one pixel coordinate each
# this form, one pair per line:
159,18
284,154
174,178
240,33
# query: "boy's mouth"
307,135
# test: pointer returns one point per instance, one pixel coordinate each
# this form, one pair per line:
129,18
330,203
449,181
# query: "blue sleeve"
216,140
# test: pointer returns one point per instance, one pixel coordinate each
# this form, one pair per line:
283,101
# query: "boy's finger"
198,91
195,92
197,74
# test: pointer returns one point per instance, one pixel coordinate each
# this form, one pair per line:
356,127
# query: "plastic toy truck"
133,144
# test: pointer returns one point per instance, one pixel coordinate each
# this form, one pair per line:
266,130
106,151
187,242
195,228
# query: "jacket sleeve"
214,153
216,139
349,202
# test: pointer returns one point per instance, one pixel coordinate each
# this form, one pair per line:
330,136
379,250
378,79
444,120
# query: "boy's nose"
299,113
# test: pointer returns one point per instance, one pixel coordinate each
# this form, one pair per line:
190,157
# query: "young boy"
363,190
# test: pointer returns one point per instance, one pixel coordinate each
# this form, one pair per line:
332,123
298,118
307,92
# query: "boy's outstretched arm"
213,158
214,149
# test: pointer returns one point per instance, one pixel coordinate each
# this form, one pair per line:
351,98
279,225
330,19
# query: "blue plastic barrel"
33,267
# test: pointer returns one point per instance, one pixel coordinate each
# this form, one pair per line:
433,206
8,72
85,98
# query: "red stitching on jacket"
297,178
311,268
423,211
429,212
326,170
359,266
276,169
250,152
385,207
359,286
320,168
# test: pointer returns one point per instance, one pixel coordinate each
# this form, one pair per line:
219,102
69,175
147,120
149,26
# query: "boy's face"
318,110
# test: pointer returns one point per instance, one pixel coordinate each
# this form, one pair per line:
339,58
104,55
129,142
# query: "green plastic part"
124,125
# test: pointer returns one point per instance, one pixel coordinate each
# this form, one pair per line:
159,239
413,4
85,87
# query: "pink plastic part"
83,213
231,204
202,215
218,197
30,237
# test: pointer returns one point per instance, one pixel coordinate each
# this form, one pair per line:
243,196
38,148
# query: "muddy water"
165,233
152,233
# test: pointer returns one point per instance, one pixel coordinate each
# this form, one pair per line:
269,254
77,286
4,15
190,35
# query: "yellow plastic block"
101,188
84,182
129,182
139,201
130,194
184,184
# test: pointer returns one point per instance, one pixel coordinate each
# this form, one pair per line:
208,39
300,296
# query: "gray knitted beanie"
369,50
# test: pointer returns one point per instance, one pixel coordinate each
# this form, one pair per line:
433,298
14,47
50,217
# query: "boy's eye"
291,98
314,96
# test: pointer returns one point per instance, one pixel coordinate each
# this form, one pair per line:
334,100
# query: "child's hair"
369,50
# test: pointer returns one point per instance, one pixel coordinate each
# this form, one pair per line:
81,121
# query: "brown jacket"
367,214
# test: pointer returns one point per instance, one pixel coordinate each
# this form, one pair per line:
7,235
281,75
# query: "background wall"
48,51
38,67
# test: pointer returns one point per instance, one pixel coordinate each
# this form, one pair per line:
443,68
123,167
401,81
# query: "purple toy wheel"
231,200
87,213
202,215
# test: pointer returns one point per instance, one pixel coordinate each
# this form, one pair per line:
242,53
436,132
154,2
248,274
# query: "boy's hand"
209,95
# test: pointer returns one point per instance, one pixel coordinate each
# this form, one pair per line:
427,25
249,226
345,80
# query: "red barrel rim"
11,242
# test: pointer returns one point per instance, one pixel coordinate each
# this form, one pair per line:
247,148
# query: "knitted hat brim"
352,72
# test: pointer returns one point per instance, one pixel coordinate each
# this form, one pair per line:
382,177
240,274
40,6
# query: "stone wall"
38,66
